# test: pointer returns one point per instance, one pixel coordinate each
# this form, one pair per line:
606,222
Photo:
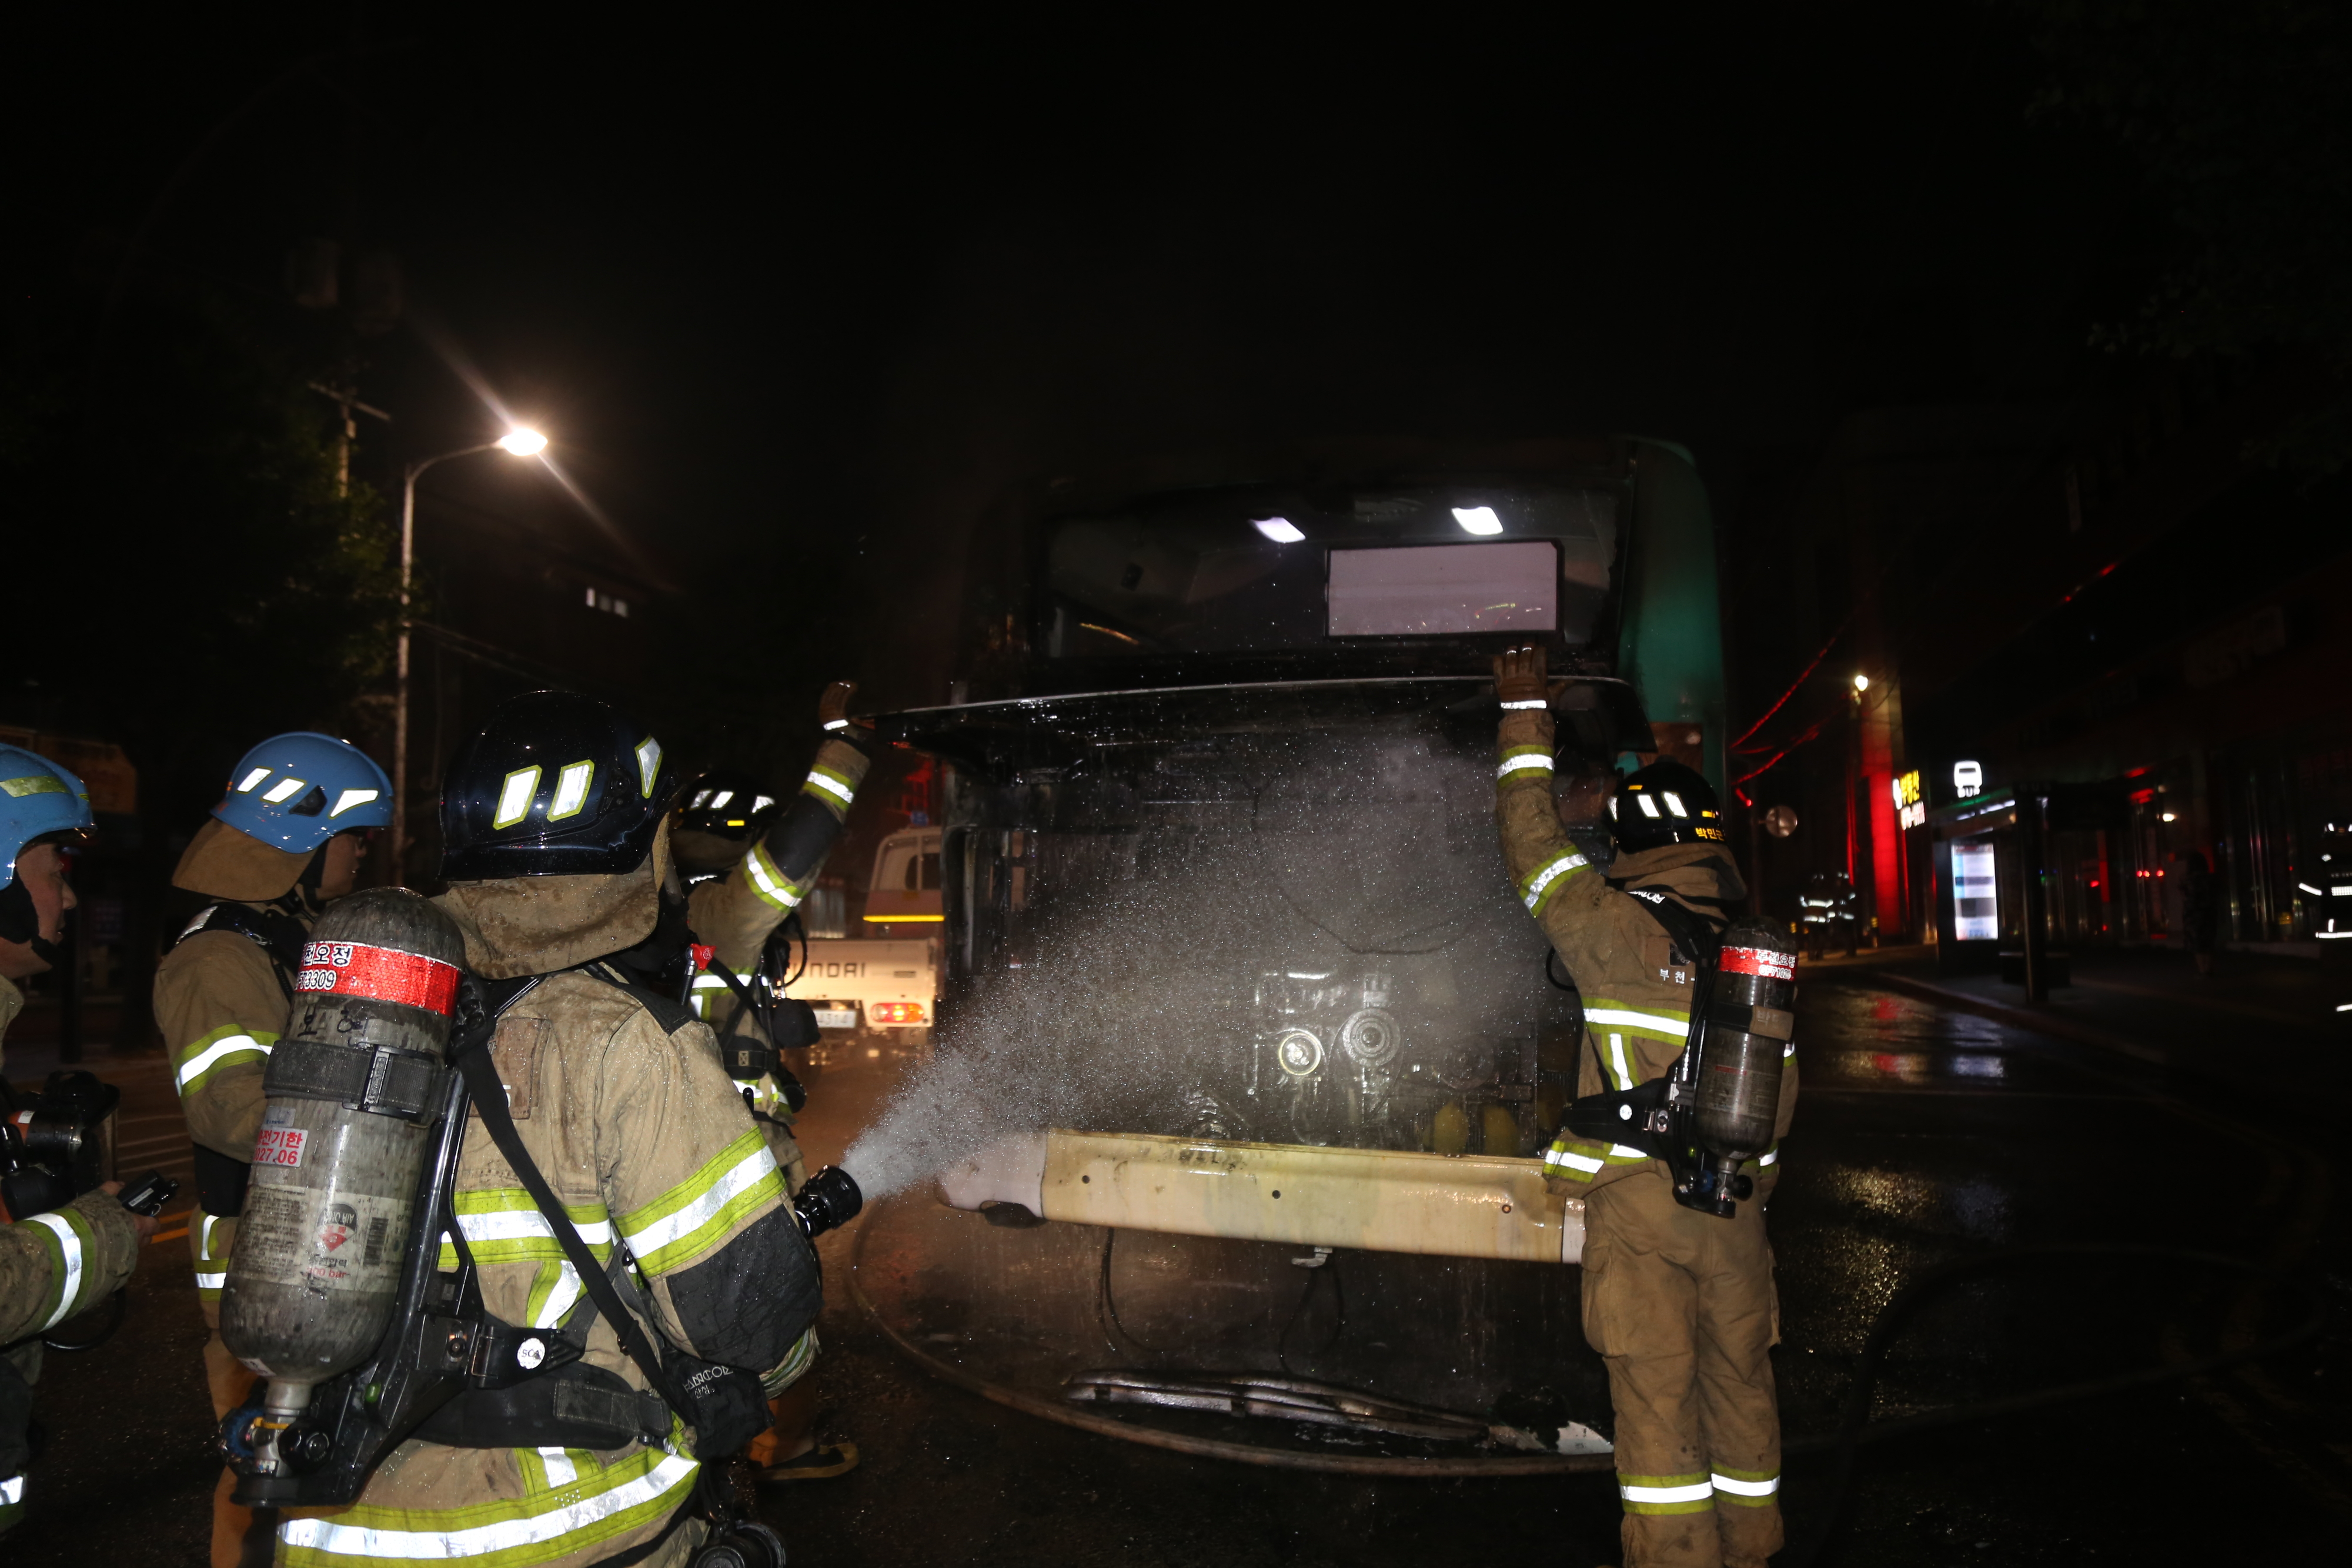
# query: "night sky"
797,300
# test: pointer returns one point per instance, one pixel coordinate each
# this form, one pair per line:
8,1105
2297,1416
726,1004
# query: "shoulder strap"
734,983
668,1011
1694,933
758,1010
279,935
1698,938
472,1058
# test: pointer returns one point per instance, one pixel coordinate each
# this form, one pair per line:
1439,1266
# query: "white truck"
890,980
858,983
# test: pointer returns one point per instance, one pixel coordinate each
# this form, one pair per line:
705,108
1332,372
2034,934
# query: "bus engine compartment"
1274,912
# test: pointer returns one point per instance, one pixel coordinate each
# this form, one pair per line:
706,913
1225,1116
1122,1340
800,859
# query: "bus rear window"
1262,571
1438,591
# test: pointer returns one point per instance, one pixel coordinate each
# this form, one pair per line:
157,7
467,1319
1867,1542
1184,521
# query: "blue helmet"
37,797
296,791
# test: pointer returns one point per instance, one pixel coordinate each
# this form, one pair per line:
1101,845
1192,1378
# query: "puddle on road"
1852,1038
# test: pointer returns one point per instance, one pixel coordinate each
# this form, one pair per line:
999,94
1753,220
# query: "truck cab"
905,887
886,976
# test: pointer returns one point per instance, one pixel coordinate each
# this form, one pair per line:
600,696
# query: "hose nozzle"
830,1199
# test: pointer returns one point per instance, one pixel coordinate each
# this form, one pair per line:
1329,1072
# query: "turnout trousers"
241,1538
1680,1304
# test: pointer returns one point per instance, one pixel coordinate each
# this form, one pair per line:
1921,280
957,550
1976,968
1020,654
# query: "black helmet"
556,784
732,805
1664,803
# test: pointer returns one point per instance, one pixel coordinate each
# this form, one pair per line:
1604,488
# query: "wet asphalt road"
1925,1135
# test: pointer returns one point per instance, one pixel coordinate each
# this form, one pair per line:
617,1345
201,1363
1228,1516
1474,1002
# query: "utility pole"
2035,915
346,398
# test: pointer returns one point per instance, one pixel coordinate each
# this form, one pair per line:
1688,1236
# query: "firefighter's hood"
221,863
1703,870
520,926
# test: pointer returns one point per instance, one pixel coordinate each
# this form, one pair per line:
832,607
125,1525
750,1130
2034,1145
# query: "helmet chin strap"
303,897
20,921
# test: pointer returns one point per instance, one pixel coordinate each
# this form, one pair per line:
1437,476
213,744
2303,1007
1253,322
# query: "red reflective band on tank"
1758,961
379,974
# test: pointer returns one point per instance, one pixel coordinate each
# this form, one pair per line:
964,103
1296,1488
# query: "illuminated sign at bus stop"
1910,801
1976,901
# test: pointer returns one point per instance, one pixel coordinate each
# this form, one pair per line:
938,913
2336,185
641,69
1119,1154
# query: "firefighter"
287,838
741,893
55,1264
554,823
1678,1302
1832,912
719,815
719,818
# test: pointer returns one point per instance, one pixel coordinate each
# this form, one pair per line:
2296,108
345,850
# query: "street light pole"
520,443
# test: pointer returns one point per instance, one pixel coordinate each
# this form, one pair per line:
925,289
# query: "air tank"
353,1089
1750,1025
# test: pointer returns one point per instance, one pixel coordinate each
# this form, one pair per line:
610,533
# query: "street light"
520,441
1861,684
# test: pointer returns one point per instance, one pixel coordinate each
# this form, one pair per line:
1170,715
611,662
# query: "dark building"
2073,655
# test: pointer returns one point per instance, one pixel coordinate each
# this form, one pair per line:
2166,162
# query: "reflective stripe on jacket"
221,1010
66,1261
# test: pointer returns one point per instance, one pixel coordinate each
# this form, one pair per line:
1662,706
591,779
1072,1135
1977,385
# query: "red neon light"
1804,676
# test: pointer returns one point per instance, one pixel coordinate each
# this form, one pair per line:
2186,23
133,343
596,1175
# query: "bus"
1218,785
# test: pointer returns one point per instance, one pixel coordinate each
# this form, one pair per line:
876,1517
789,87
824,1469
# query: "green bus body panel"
1672,648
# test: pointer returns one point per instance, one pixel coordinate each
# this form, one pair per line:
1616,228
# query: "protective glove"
1519,676
833,708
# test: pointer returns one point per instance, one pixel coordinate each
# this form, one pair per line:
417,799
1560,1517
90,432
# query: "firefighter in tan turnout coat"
287,839
1679,1303
557,852
65,1261
749,866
